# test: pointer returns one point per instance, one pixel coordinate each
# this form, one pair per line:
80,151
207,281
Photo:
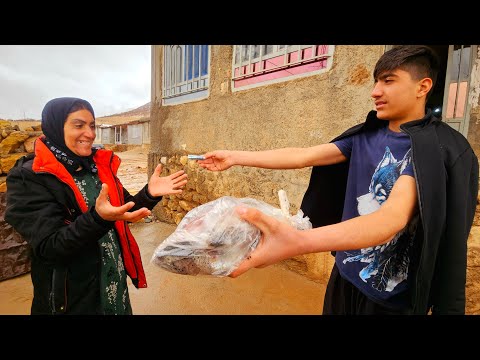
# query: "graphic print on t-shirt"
387,263
383,179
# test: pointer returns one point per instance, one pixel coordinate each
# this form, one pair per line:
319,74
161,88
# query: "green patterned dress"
114,295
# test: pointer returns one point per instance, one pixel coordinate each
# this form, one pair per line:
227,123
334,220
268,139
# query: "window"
458,81
455,101
118,135
185,73
256,65
106,135
135,131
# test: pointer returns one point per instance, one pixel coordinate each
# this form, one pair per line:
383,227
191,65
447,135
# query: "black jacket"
446,173
65,254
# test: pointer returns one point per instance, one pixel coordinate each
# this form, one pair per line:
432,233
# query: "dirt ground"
133,169
272,290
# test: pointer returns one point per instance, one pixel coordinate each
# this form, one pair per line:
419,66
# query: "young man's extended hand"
217,160
279,241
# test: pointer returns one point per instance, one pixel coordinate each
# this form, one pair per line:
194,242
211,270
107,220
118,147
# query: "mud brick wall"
14,250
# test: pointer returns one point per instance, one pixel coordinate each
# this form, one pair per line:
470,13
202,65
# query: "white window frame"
118,134
176,88
276,50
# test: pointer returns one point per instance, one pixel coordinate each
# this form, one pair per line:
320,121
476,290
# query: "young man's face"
397,95
79,130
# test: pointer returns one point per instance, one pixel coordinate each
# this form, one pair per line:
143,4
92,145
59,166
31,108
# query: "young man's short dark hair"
419,60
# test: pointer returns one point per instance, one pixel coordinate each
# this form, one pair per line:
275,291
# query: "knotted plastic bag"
212,239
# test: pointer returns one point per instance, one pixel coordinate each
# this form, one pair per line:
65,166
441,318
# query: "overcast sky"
113,78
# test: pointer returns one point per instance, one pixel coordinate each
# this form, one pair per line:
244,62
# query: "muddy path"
272,290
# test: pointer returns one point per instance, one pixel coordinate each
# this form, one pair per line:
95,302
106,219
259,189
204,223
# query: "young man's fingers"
209,166
244,266
255,217
208,155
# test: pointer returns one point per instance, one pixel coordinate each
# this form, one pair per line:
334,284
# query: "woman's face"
79,130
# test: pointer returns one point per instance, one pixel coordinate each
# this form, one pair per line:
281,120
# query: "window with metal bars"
456,113
458,81
256,65
185,73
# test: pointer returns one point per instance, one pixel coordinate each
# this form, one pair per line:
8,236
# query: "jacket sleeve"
46,224
451,265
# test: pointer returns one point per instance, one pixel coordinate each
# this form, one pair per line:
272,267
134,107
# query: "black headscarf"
54,115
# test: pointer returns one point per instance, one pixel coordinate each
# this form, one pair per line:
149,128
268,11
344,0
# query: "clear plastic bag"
212,239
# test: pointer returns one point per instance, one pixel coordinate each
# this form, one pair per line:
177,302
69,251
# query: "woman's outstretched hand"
171,184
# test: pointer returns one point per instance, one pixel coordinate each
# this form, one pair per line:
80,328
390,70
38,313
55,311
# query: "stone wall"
202,187
14,144
473,266
14,250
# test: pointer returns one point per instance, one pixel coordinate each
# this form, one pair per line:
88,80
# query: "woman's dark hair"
79,105
419,60
56,112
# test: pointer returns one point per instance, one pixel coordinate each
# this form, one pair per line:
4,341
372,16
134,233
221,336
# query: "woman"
68,203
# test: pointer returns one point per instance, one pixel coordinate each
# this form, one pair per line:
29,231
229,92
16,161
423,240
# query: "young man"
393,198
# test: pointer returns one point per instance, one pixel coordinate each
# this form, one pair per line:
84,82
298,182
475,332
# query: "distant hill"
141,112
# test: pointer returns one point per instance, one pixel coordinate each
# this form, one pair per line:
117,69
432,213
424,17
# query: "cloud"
113,78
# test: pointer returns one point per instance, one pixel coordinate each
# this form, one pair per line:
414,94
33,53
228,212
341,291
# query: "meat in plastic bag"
212,239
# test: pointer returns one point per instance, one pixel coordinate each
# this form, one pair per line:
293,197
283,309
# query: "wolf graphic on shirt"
387,263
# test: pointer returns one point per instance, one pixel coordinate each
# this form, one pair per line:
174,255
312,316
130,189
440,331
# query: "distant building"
105,134
138,132
135,132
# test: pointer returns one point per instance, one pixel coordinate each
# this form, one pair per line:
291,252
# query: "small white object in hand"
196,157
284,203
